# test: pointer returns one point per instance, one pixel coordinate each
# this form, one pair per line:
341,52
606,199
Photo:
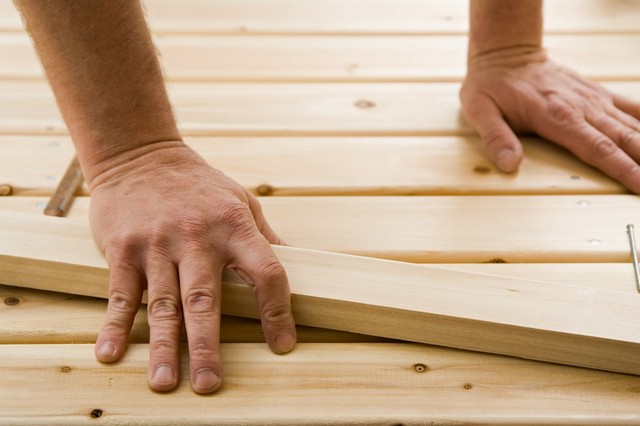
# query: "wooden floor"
343,116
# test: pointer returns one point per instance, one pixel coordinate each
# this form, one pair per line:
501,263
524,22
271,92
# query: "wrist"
139,157
507,57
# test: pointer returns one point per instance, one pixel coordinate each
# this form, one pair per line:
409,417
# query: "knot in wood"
420,368
11,301
364,104
96,413
264,190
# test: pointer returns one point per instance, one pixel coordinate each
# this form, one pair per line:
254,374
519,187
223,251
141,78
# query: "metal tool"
62,198
634,254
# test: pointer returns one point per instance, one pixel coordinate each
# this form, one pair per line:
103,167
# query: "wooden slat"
447,229
343,59
328,384
278,110
33,316
533,319
33,165
295,17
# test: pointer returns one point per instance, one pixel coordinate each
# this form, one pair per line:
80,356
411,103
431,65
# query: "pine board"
35,316
39,317
397,109
342,58
443,229
303,17
315,384
532,319
287,166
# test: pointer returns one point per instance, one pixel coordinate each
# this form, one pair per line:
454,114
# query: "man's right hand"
170,223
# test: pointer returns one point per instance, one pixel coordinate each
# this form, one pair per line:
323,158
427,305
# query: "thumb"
500,142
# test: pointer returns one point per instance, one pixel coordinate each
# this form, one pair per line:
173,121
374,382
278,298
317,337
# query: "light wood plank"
34,316
533,319
447,229
296,17
343,59
278,110
315,384
34,165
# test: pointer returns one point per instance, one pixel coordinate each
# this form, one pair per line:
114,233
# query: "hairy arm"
166,221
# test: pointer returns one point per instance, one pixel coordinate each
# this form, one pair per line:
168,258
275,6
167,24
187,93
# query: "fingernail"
506,159
106,349
205,380
284,342
163,375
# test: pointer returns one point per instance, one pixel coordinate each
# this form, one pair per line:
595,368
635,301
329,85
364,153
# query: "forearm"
102,66
497,25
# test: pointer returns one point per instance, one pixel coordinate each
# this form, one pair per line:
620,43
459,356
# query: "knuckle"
200,301
163,308
277,313
271,271
562,112
604,147
237,219
162,346
628,138
202,349
122,302
628,172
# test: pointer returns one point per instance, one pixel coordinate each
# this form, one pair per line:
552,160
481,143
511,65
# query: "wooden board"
394,109
328,384
533,319
357,17
35,316
342,58
34,165
447,229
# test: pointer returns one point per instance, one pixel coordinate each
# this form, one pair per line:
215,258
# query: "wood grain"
392,109
445,229
287,166
42,317
342,58
339,17
332,384
533,319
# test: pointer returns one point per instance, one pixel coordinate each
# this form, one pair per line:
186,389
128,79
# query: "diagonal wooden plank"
33,165
445,229
296,17
34,316
317,383
342,59
278,109
533,319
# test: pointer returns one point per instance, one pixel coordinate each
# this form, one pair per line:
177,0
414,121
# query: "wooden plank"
304,17
342,59
34,316
278,110
34,165
447,229
533,319
315,384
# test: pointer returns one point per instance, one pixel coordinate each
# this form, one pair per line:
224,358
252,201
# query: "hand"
170,223
523,91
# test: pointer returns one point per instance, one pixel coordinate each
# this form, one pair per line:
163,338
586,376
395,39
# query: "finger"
164,315
625,137
598,150
262,224
125,296
627,105
501,144
256,262
626,119
200,292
